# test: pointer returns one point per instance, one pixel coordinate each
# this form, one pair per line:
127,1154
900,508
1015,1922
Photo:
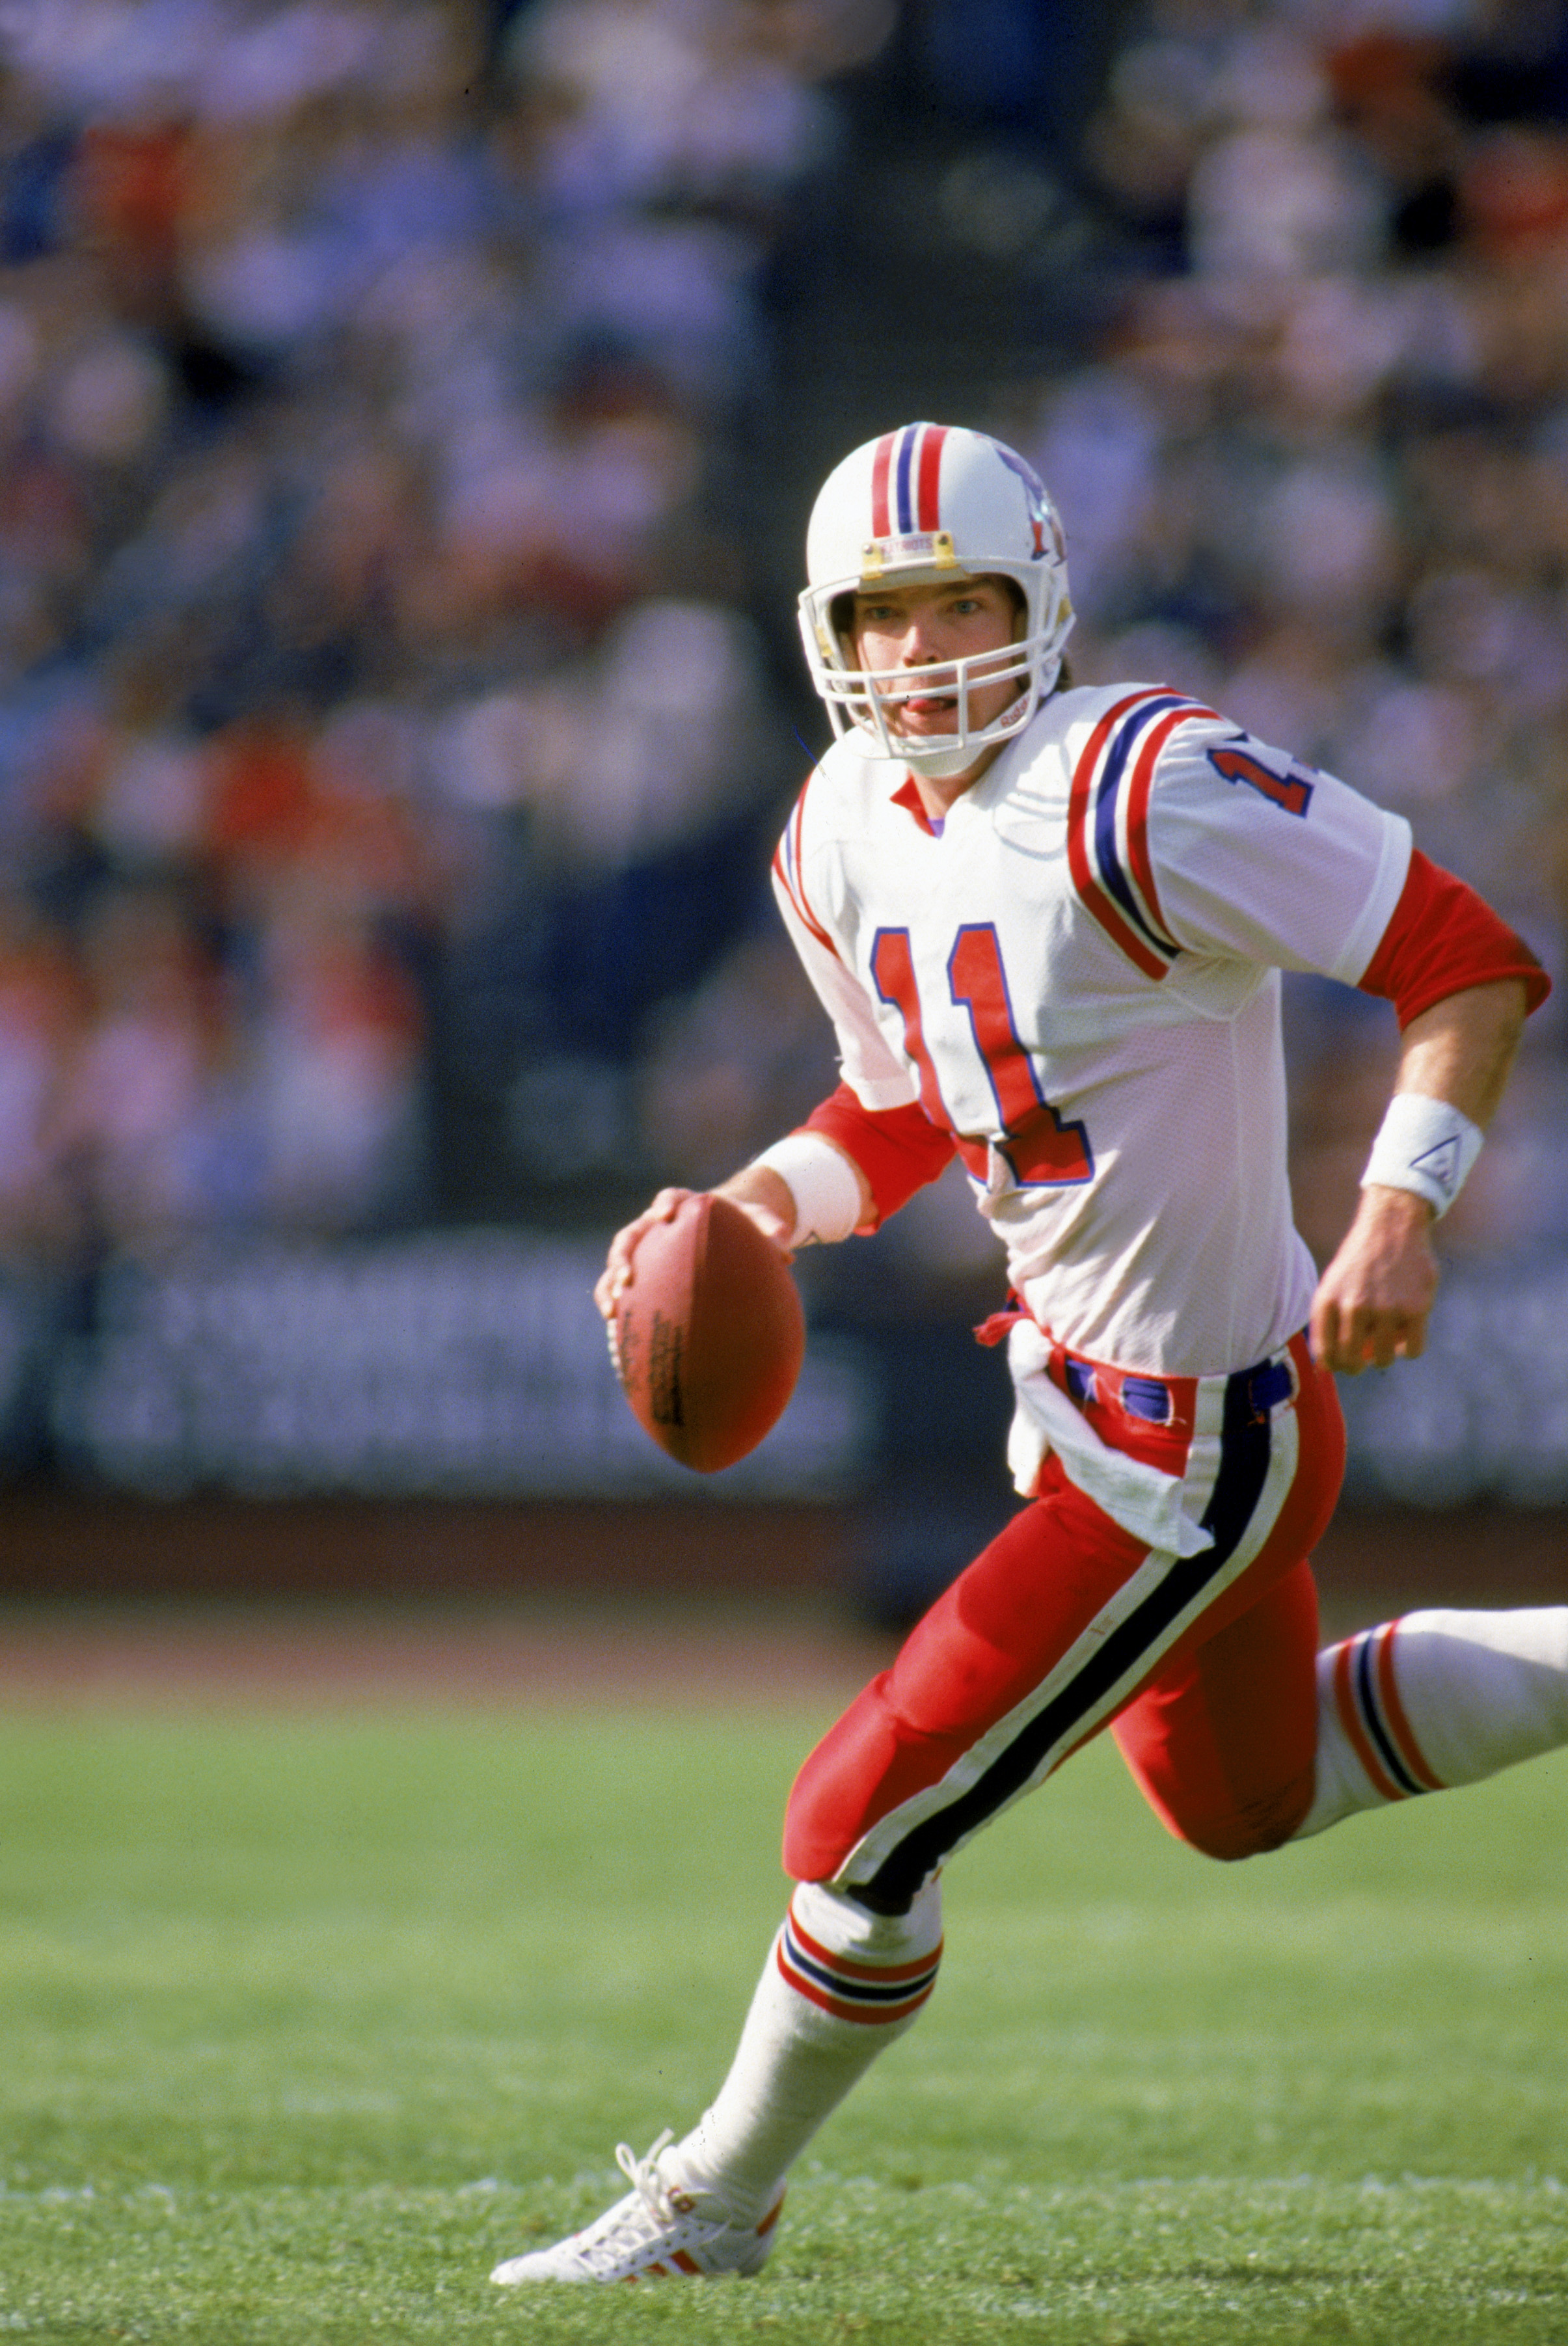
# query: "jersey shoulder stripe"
786,869
1107,823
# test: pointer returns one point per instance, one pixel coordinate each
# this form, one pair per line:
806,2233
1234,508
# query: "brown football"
711,1335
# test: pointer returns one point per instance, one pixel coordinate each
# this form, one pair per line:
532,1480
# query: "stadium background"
410,415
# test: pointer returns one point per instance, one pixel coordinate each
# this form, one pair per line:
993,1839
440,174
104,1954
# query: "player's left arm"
1261,859
1373,1299
1463,985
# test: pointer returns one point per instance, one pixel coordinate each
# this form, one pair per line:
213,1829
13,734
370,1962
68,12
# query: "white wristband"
823,1183
1426,1146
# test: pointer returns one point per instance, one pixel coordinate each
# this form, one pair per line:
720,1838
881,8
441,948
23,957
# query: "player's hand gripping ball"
709,1333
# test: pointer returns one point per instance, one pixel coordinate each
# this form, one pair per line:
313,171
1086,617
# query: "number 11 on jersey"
1041,1150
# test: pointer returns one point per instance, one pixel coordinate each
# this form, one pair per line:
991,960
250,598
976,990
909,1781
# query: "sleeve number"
1041,1150
1292,791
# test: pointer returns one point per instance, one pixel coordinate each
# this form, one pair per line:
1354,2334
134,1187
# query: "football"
709,1334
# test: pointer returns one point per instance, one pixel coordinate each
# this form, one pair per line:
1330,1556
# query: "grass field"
307,2020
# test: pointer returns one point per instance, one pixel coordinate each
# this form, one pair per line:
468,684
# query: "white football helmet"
919,508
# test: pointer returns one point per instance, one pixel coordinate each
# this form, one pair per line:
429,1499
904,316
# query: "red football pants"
1066,1624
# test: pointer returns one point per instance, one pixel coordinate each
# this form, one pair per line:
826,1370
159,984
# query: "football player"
1048,926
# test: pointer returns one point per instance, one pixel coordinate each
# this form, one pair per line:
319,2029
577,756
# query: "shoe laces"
632,2224
643,2176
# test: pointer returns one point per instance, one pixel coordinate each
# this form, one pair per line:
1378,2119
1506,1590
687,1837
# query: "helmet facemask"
863,702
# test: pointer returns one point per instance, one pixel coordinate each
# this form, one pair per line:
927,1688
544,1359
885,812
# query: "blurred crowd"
395,705
1320,473
382,732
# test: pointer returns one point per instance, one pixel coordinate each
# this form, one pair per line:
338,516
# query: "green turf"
305,2022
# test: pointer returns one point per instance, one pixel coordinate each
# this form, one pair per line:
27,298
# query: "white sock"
840,1983
1434,1700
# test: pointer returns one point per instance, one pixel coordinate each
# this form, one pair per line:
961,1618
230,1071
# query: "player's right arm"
865,1150
859,1154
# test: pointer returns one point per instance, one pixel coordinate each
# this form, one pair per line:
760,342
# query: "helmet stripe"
931,476
880,525
906,458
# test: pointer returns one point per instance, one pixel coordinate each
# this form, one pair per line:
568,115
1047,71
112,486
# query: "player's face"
925,627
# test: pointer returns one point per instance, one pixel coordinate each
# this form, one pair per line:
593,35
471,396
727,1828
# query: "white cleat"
656,2232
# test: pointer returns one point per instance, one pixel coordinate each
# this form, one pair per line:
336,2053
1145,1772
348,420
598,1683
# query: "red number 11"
1040,1148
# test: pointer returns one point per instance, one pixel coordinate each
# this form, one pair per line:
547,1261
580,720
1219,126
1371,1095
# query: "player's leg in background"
1255,1737
1435,1700
1222,1741
1222,1737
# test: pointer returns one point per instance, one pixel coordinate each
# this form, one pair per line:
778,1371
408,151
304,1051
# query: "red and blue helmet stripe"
906,478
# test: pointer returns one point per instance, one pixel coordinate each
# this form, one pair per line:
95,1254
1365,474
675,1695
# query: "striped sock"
839,1985
1435,1700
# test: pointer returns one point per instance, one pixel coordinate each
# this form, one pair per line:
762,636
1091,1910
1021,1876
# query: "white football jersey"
1077,975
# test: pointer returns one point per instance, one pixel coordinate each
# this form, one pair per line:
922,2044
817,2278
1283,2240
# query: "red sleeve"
898,1149
1442,939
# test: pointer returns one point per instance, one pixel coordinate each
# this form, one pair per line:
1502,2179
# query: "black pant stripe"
1245,1441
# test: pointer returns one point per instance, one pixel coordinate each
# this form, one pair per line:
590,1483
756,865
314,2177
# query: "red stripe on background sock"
1410,1752
1360,1740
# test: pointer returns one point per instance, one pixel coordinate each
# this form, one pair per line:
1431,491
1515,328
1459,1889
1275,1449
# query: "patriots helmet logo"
1042,517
